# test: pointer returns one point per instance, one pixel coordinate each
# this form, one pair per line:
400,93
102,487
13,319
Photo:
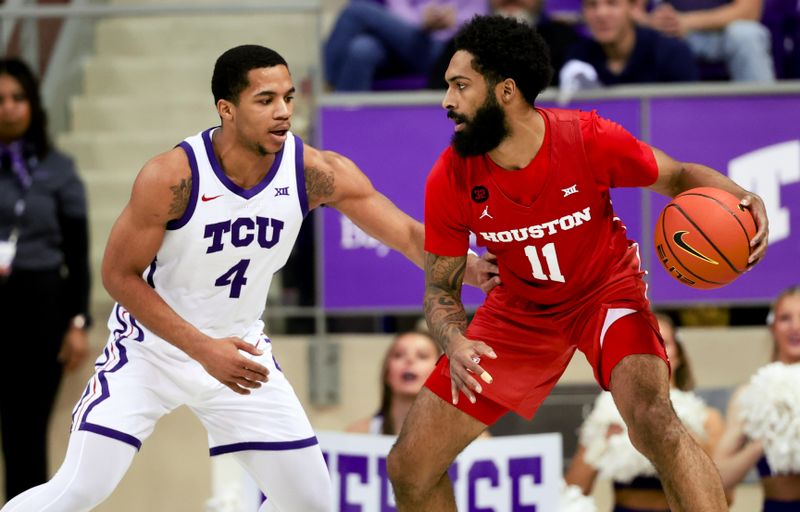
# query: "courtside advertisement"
502,474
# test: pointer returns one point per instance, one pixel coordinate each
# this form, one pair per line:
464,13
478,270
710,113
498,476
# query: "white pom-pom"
770,412
611,451
573,500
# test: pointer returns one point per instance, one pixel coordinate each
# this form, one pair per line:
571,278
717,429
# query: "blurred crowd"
407,44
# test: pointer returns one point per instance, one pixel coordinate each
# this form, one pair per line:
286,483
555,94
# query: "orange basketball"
702,237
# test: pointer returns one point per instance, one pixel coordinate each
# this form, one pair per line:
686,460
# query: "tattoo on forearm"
443,308
319,185
180,196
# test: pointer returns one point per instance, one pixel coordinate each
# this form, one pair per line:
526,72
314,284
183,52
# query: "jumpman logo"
485,213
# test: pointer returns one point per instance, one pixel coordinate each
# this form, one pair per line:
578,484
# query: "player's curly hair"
506,48
232,67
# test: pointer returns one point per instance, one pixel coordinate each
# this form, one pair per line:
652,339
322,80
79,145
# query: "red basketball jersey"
567,242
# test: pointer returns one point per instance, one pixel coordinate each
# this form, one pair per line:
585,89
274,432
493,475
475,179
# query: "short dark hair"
506,48
232,67
35,137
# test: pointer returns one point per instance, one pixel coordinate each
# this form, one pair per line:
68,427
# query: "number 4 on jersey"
550,257
235,278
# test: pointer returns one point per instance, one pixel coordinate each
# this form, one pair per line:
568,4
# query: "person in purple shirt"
623,53
398,36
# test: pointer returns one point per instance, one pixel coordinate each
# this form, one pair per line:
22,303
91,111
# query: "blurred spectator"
723,31
409,360
44,283
763,416
400,36
620,52
605,449
558,35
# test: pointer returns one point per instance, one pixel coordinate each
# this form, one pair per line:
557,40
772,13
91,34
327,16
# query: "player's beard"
484,132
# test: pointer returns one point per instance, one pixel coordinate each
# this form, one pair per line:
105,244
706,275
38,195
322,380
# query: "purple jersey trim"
233,187
113,434
150,272
187,214
300,170
266,446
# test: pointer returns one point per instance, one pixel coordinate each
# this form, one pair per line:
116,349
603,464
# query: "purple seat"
782,18
407,82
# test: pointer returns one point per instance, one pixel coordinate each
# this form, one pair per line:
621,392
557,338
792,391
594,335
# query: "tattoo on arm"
180,196
319,185
443,308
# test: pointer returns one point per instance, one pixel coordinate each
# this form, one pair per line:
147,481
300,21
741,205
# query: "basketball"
702,237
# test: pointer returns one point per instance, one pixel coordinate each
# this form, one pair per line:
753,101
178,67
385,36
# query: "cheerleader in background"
606,451
763,428
409,360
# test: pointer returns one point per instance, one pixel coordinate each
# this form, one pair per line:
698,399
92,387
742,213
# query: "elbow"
109,280
112,279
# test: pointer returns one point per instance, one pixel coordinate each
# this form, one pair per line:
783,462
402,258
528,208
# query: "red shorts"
534,348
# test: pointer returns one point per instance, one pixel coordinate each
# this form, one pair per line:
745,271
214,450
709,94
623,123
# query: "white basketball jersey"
216,262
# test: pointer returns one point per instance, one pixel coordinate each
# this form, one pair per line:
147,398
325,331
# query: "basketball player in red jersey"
533,185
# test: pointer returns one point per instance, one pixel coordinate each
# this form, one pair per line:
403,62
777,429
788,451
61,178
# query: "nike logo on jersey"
680,242
205,198
485,213
281,191
570,190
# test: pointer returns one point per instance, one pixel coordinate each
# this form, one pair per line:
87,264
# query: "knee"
408,483
365,50
746,35
652,424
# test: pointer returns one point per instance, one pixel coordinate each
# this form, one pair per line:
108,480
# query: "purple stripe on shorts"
101,376
80,403
110,432
123,325
267,446
299,168
140,335
122,330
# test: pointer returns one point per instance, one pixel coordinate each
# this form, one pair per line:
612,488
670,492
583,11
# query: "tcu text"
242,232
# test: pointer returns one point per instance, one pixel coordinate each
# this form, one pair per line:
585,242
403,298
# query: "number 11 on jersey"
550,258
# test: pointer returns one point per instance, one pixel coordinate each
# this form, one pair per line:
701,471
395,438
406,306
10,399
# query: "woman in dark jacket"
44,275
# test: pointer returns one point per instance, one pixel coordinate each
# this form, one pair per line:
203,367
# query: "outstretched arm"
160,194
447,322
675,177
336,181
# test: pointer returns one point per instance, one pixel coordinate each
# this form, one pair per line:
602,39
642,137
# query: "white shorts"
140,377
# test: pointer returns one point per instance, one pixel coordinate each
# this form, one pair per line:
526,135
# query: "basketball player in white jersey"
189,262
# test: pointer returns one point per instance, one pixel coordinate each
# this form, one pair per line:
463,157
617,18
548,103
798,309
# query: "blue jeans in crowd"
744,46
367,38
